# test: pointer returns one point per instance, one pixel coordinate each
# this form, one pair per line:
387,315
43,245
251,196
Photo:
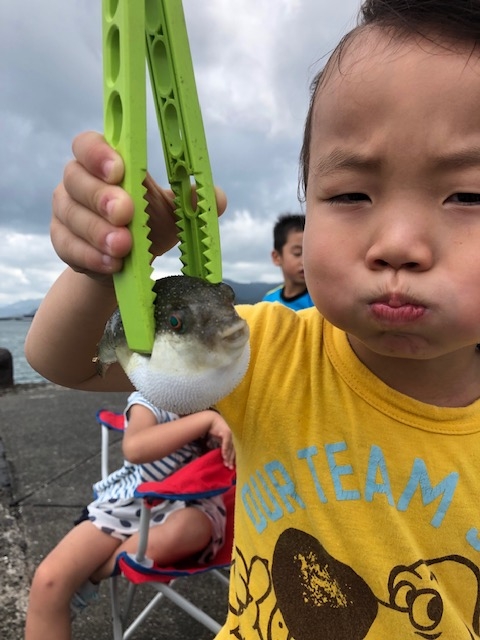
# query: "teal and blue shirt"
300,301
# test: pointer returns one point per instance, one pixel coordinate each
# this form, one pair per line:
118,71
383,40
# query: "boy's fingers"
84,240
98,158
90,187
87,225
221,199
161,210
80,255
109,201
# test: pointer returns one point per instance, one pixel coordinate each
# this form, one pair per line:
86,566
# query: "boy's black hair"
285,223
458,19
452,20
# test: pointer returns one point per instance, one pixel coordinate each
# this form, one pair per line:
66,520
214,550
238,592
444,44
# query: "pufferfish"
200,350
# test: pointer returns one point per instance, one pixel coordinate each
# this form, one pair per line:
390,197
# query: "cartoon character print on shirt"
306,591
255,596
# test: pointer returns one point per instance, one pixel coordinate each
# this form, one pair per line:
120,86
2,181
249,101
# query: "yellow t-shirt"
357,507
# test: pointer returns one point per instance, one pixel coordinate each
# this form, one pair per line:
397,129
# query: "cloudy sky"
253,60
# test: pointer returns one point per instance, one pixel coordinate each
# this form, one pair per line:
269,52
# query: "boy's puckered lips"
397,309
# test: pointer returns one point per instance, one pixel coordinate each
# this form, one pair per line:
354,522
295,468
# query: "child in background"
156,443
357,426
288,255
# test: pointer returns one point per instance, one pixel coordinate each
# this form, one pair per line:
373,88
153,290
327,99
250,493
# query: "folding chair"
203,477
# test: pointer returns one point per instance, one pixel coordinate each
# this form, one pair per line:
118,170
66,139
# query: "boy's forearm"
66,329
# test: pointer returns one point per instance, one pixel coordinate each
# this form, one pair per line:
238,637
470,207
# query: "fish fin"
101,366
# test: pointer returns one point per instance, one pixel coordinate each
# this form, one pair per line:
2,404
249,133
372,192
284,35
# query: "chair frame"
121,610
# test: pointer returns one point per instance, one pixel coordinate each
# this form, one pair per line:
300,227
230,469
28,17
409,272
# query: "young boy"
288,255
357,426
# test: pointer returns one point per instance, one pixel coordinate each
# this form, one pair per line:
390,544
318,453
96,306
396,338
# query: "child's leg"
184,533
61,573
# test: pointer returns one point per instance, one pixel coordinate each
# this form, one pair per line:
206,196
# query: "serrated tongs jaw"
156,29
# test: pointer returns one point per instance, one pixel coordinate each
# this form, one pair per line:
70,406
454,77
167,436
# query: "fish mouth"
236,333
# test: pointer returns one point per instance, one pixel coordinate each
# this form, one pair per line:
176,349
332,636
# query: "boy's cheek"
322,289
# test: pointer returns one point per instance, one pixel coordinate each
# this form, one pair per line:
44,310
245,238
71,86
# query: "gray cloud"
254,60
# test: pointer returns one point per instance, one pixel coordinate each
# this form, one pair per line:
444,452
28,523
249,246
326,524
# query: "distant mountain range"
245,293
20,309
250,292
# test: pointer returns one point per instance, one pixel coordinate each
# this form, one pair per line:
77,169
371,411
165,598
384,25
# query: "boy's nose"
401,244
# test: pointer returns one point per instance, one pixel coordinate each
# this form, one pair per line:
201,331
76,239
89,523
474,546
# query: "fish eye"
227,291
176,322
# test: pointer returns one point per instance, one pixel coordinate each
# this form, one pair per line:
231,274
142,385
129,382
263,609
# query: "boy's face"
290,260
392,237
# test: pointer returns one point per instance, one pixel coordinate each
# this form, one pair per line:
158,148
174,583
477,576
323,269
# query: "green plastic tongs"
133,29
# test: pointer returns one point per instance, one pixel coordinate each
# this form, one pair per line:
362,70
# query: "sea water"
12,337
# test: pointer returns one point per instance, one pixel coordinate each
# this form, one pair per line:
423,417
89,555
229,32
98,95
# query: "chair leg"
105,451
120,612
142,616
221,577
189,608
164,590
117,624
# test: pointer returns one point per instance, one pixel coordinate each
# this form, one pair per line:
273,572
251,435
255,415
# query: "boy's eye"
465,198
349,198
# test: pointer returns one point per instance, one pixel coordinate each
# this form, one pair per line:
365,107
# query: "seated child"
156,443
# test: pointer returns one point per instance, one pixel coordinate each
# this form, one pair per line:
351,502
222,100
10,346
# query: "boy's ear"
277,258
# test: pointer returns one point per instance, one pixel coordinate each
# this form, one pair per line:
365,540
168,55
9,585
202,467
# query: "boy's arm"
69,323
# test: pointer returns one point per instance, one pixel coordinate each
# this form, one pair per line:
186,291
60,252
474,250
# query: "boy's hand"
219,430
90,211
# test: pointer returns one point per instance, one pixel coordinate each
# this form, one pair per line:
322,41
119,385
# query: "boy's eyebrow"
470,156
339,159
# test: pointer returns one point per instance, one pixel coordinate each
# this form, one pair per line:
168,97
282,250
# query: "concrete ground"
49,458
